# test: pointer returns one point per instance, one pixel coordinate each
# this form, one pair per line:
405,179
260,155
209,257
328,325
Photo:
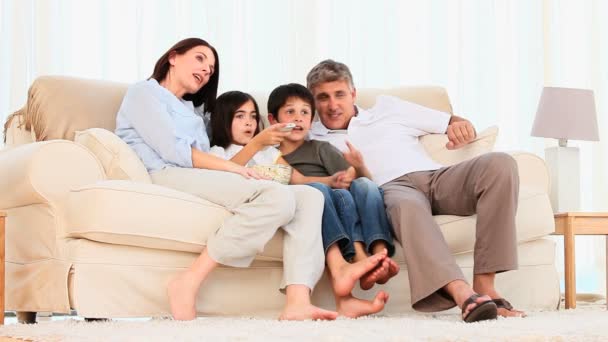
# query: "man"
416,188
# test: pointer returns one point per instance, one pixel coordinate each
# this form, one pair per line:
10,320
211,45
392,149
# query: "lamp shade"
566,113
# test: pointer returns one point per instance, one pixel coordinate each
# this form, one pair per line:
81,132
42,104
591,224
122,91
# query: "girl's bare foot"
182,297
301,312
344,277
352,307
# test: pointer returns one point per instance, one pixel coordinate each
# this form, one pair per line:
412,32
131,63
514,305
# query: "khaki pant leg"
303,256
430,265
259,208
487,186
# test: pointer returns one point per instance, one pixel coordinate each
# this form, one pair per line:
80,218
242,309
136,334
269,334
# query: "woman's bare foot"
182,297
344,277
352,307
301,312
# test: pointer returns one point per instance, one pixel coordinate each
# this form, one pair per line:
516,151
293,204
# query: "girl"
160,118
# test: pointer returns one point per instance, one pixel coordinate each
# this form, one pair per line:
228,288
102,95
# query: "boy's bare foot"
392,271
381,274
343,278
301,312
182,297
368,280
352,307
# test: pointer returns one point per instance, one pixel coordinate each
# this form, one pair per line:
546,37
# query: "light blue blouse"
160,127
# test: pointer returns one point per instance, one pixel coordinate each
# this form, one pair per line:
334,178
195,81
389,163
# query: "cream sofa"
79,240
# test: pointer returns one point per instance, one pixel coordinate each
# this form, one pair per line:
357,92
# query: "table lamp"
565,114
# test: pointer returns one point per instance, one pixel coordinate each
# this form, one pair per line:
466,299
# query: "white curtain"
493,57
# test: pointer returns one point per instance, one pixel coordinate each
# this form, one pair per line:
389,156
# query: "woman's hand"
271,136
246,172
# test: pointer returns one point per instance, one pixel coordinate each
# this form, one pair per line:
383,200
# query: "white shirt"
387,136
266,156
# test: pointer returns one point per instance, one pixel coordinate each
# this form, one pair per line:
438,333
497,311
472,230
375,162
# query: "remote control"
288,127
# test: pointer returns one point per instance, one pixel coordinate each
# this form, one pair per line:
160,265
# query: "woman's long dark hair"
206,95
221,119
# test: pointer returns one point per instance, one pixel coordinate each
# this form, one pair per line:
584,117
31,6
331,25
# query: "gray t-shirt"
317,159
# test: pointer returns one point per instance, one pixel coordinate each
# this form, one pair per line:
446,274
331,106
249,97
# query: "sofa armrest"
533,172
44,172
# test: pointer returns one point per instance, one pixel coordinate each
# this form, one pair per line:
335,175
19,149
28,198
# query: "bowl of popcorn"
276,172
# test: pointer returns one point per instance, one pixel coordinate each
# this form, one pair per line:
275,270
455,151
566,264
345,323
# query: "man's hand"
460,132
353,156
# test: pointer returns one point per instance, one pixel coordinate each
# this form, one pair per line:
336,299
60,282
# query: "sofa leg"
26,317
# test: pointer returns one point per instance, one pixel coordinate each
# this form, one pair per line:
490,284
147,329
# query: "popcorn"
276,172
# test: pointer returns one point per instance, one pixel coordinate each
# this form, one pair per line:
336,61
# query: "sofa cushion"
118,160
534,220
144,215
152,216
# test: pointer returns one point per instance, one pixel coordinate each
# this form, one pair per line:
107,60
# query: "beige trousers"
259,209
488,186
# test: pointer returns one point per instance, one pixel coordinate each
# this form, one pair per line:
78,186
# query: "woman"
160,119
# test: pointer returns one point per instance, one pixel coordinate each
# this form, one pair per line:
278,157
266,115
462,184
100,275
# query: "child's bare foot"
392,271
301,312
343,278
352,307
182,297
368,280
381,274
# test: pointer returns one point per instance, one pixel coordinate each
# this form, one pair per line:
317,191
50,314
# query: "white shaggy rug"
586,324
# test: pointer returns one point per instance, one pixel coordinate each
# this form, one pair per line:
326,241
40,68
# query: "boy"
354,222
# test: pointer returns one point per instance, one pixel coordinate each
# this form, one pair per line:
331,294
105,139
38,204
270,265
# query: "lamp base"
563,164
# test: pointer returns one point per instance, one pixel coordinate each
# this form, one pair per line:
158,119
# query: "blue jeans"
352,216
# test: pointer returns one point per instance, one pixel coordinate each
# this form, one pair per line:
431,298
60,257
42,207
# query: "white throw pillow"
434,144
117,158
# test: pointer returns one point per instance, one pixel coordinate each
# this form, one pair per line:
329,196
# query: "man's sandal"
502,303
481,312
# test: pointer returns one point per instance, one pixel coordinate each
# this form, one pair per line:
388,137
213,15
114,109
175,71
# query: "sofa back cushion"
59,106
427,96
119,161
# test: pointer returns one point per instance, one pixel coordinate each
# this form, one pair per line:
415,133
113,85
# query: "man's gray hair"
329,71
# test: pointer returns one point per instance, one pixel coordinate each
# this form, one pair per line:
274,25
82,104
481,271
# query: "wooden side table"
569,225
2,238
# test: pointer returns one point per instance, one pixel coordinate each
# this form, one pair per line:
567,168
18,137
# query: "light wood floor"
10,339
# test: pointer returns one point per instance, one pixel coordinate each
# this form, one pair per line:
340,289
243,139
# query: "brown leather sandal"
481,312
